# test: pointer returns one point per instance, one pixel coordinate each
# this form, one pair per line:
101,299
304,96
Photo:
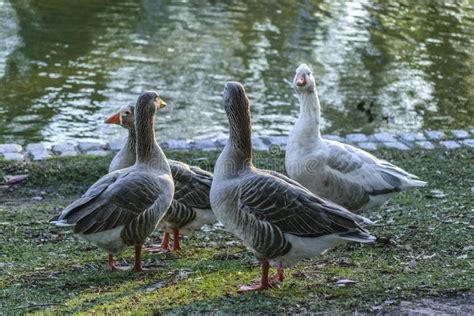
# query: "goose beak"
114,119
161,104
300,80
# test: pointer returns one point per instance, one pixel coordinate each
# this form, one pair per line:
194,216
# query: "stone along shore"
404,141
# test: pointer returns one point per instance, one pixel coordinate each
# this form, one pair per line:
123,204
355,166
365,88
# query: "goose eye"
127,113
309,74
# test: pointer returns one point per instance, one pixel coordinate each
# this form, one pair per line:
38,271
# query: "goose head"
236,103
148,98
304,80
237,107
125,117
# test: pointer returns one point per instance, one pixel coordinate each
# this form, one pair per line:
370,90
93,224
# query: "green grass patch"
425,249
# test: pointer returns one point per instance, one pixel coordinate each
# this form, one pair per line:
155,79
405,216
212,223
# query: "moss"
424,234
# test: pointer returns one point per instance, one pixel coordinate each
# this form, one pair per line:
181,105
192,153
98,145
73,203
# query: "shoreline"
403,141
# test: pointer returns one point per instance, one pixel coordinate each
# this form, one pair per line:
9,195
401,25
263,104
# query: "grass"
425,250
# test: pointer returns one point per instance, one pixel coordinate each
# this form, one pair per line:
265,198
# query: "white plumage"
340,172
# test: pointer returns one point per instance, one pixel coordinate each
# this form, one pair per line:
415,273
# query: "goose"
123,207
342,173
190,208
280,220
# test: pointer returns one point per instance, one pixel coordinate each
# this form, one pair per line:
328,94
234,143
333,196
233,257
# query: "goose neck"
239,146
147,150
131,140
310,112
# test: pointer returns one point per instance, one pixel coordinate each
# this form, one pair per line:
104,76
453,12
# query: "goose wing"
192,185
274,198
346,164
114,200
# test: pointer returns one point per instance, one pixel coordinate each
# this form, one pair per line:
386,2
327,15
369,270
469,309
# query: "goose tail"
358,236
60,222
416,183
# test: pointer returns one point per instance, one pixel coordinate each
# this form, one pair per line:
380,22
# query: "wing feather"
292,208
114,200
192,185
357,172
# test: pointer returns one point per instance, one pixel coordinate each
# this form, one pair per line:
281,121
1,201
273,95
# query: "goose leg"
164,245
264,282
138,260
280,275
113,267
176,246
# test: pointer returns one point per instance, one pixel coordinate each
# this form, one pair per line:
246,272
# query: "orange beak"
162,104
301,80
114,119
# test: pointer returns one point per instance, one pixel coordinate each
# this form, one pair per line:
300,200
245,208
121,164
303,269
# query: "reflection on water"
65,66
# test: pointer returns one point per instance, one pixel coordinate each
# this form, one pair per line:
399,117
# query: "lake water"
66,65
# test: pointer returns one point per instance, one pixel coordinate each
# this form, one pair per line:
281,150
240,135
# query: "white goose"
280,220
339,172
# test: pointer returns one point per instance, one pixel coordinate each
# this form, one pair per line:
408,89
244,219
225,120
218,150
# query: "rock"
385,138
115,145
10,148
450,144
396,145
16,179
177,145
258,144
69,154
63,149
89,146
411,137
357,138
279,141
37,152
367,146
220,143
468,142
435,135
332,137
460,134
13,156
37,198
425,144
98,153
282,140
203,144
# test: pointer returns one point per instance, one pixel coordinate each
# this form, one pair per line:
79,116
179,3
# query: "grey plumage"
190,207
123,207
271,213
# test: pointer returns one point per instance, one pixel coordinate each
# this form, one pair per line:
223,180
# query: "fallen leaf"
436,193
155,286
429,257
345,282
184,274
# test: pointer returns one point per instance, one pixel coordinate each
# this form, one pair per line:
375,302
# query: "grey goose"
190,208
280,220
123,207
